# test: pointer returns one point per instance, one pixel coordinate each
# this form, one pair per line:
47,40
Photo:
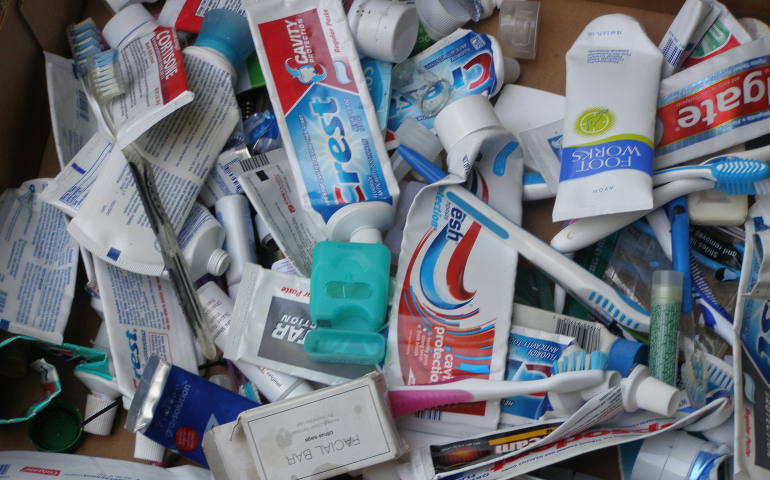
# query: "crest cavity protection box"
187,15
606,159
329,127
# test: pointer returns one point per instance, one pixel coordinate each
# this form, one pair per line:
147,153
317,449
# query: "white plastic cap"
512,69
146,449
101,425
415,136
126,24
670,456
218,262
385,30
640,390
263,231
463,117
442,17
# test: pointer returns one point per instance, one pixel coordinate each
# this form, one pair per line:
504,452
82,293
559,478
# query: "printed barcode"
4,468
3,297
429,415
83,111
671,51
586,334
259,160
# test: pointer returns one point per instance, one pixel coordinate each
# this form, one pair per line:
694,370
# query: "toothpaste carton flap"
187,15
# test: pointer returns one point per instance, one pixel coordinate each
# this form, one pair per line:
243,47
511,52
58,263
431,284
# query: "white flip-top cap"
125,25
463,117
385,30
640,390
101,425
442,17
146,449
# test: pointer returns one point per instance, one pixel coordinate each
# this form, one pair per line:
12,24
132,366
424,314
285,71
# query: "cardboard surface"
25,126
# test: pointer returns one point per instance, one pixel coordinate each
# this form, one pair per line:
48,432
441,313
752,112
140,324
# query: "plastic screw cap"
442,17
126,22
147,449
624,355
228,33
56,428
464,116
218,263
101,425
386,30
640,390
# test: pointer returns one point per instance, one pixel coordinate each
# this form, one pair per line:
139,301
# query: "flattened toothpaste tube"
143,318
221,180
325,114
187,15
471,62
724,33
378,73
715,104
72,121
685,33
270,322
39,264
607,149
453,299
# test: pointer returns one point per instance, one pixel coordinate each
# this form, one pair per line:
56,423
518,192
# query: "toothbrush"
714,316
680,244
730,173
412,398
103,75
722,272
603,299
661,228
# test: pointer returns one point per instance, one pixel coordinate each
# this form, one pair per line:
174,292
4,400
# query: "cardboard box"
26,147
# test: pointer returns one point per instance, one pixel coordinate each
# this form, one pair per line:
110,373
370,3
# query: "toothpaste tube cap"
463,117
640,390
218,262
125,23
329,345
228,33
624,355
442,17
146,449
385,30
512,69
672,455
56,428
101,425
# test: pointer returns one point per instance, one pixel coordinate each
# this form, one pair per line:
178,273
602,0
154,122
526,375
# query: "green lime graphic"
594,121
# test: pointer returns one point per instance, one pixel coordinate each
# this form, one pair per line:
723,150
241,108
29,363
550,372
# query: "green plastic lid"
56,428
330,345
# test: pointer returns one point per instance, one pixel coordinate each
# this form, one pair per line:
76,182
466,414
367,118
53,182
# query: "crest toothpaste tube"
176,408
377,73
716,104
187,15
471,62
607,153
453,298
329,127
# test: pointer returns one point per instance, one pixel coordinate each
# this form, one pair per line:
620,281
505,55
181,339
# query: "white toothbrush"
723,169
592,291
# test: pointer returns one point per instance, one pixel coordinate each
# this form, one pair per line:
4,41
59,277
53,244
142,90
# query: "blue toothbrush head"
736,176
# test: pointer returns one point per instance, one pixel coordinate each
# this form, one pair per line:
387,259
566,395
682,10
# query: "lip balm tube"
664,329
233,213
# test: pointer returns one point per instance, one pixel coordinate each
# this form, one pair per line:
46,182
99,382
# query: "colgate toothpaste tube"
451,308
716,104
325,113
471,62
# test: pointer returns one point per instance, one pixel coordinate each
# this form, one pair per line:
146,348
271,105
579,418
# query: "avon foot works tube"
325,114
72,121
112,223
143,318
716,104
39,264
607,145
452,301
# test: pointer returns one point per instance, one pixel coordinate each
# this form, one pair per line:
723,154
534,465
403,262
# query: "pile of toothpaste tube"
322,200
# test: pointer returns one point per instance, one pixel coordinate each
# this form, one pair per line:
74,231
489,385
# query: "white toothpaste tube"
151,69
127,25
607,145
235,216
724,33
715,104
143,318
221,180
453,297
218,312
472,63
35,465
187,15
39,264
201,239
270,322
685,33
181,149
531,354
72,121
542,151
326,116
269,184
377,73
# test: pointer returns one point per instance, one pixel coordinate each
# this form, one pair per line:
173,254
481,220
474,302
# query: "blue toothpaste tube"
176,408
377,73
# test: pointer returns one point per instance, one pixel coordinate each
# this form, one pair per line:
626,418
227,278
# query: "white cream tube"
233,213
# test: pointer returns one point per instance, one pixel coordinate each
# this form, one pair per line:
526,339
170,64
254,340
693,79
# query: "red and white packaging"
724,34
187,15
714,105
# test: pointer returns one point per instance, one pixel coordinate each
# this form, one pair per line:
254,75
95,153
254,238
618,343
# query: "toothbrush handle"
409,401
588,231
